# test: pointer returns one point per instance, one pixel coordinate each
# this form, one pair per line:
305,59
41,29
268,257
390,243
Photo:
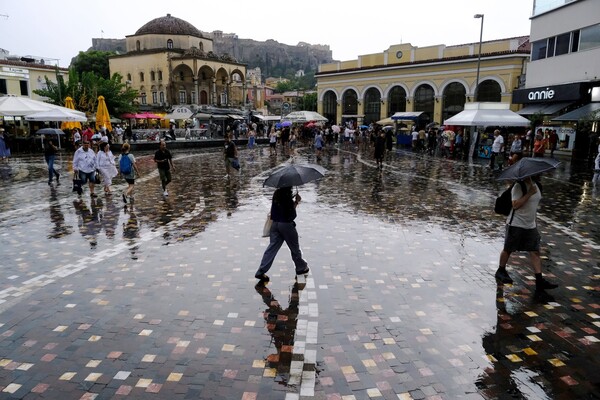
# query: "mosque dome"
169,25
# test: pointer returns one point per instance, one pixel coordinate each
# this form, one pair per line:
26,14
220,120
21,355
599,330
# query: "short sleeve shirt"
162,156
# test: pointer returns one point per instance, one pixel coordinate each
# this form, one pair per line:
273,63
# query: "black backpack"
503,203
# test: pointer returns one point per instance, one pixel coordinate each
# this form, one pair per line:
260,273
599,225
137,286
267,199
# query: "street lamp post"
476,96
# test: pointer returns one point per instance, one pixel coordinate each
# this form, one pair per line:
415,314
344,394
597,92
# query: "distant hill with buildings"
273,58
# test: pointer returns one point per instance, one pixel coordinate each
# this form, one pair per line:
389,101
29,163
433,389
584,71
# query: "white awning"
487,114
233,116
268,117
590,110
542,108
406,115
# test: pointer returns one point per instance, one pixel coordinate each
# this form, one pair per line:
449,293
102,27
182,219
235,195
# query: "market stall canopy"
303,116
57,114
386,121
268,117
113,120
487,114
545,109
406,115
179,113
590,110
18,106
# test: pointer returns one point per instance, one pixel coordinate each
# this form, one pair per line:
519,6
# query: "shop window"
3,89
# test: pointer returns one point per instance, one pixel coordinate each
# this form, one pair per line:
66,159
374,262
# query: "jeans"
51,170
280,232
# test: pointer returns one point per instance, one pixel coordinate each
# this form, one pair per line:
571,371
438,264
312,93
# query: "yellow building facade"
169,62
436,80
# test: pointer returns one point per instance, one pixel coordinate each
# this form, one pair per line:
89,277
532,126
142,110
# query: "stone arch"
182,84
490,90
329,101
350,101
221,86
424,100
372,104
396,99
421,83
454,97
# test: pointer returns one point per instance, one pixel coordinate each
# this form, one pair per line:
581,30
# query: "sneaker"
303,272
262,277
165,193
503,277
124,198
544,284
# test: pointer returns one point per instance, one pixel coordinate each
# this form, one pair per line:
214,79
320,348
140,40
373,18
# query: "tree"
95,61
85,89
309,102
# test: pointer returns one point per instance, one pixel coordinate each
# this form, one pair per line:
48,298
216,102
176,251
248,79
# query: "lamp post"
476,97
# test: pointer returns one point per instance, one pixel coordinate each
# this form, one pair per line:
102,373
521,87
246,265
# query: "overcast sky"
59,29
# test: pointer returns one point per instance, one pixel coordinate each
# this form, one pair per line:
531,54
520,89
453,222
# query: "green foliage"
308,102
95,61
536,119
85,89
306,82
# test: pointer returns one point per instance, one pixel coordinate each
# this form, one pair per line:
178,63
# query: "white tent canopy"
57,114
18,106
487,114
304,116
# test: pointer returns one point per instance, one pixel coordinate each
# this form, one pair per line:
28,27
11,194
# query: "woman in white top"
105,160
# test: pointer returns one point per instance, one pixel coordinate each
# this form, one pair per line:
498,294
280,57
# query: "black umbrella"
526,167
294,175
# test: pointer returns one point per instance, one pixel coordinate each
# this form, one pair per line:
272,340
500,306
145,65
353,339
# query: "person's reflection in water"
377,187
57,217
110,219
131,230
514,380
89,220
281,324
231,198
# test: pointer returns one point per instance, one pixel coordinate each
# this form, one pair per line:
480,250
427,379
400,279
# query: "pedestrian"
596,165
273,142
283,229
164,163
50,151
552,141
128,169
230,154
84,166
516,150
4,145
76,138
319,144
251,138
522,234
497,148
380,149
539,146
106,166
188,133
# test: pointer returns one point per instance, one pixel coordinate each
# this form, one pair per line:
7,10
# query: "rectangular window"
590,37
3,89
193,97
551,43
161,96
143,96
160,75
562,44
182,97
154,97
24,88
575,42
141,77
538,49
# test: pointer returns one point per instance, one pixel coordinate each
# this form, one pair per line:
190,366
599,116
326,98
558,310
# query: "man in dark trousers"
164,162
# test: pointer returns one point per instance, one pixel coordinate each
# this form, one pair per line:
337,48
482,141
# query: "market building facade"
170,62
435,80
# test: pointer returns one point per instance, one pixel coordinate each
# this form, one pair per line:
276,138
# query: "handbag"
77,185
267,227
97,180
235,163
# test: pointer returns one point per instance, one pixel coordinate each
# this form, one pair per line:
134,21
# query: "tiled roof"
169,25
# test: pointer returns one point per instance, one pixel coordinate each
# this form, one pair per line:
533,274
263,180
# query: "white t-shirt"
498,143
526,215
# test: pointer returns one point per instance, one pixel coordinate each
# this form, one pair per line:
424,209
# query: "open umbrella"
69,124
102,117
51,131
526,167
294,175
335,128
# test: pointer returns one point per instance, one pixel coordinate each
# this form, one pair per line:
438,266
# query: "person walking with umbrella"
283,229
50,150
521,227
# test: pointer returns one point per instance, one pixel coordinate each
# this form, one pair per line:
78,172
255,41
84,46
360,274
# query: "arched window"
350,103
397,100
181,76
129,77
152,76
330,106
201,46
160,75
141,77
138,46
372,106
489,90
424,101
454,100
169,44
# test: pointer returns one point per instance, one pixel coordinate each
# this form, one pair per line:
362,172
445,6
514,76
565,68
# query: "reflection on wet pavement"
100,299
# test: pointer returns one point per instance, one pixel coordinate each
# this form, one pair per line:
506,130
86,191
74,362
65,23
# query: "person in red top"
87,134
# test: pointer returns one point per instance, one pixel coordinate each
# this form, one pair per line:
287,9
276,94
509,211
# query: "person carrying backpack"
522,235
128,170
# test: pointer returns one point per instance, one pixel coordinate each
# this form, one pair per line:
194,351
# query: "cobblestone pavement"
157,299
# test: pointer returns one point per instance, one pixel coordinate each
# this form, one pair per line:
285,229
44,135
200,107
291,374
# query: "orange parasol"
102,117
70,124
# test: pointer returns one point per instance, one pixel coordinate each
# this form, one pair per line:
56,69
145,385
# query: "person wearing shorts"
130,177
522,234
84,166
164,162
